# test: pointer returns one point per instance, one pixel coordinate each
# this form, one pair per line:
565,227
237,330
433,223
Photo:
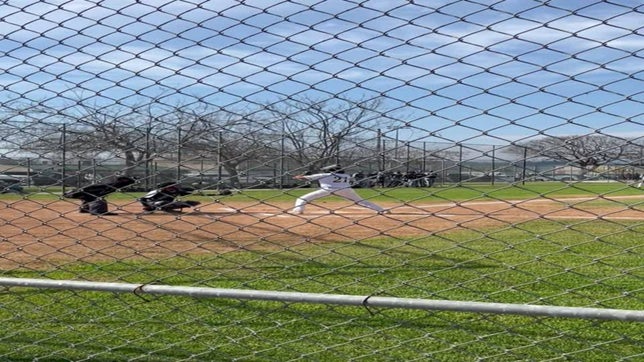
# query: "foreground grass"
594,264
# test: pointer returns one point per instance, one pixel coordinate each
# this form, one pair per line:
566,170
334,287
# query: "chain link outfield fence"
503,139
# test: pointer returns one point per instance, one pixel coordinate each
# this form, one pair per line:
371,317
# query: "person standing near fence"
333,181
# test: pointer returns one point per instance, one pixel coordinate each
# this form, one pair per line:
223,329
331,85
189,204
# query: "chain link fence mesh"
502,139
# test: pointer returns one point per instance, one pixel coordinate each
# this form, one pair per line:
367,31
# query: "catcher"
164,198
93,196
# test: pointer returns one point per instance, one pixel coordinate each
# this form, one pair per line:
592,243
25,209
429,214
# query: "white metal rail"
338,299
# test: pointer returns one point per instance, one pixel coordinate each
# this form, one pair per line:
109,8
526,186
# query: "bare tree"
140,133
231,138
90,131
586,151
634,153
316,131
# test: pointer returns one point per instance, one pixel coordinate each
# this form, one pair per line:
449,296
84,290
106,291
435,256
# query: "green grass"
462,192
466,192
594,264
566,263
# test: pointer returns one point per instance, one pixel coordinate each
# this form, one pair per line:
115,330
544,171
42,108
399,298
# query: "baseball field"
541,243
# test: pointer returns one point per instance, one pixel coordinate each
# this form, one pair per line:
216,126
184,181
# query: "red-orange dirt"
42,234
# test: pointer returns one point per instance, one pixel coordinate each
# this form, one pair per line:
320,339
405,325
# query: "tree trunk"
232,174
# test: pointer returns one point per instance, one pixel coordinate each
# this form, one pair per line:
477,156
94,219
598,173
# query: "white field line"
315,214
519,202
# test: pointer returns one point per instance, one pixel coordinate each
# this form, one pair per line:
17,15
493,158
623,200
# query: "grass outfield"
575,263
470,191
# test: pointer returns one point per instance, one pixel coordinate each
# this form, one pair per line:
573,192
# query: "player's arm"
314,177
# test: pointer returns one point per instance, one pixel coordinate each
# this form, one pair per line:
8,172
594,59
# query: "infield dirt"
38,235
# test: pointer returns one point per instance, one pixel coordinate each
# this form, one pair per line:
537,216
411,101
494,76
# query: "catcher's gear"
96,191
164,198
96,207
92,195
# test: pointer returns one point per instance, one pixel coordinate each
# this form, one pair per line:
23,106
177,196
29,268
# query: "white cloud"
155,40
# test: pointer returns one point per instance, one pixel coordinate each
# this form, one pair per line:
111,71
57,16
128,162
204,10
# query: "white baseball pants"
347,193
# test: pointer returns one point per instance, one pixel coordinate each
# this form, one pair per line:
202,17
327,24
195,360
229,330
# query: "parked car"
565,178
538,177
10,185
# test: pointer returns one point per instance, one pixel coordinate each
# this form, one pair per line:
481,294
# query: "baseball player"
333,181
92,196
164,198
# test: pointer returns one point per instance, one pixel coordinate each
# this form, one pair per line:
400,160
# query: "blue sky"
468,71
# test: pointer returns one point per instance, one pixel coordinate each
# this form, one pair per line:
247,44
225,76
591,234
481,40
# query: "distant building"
14,170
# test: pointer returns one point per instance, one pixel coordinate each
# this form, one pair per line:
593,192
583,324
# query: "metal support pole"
63,146
424,156
29,175
79,176
282,155
94,170
202,181
396,147
381,156
179,154
460,163
148,130
493,173
220,138
337,149
525,160
365,301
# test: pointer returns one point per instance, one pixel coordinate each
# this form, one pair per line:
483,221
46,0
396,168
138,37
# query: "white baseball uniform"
333,183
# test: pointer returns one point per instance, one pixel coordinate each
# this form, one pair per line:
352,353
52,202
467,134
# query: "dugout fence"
504,140
450,163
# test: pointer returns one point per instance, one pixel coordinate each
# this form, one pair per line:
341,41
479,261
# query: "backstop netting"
321,180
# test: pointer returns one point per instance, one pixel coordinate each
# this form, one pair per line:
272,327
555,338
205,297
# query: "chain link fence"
155,156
